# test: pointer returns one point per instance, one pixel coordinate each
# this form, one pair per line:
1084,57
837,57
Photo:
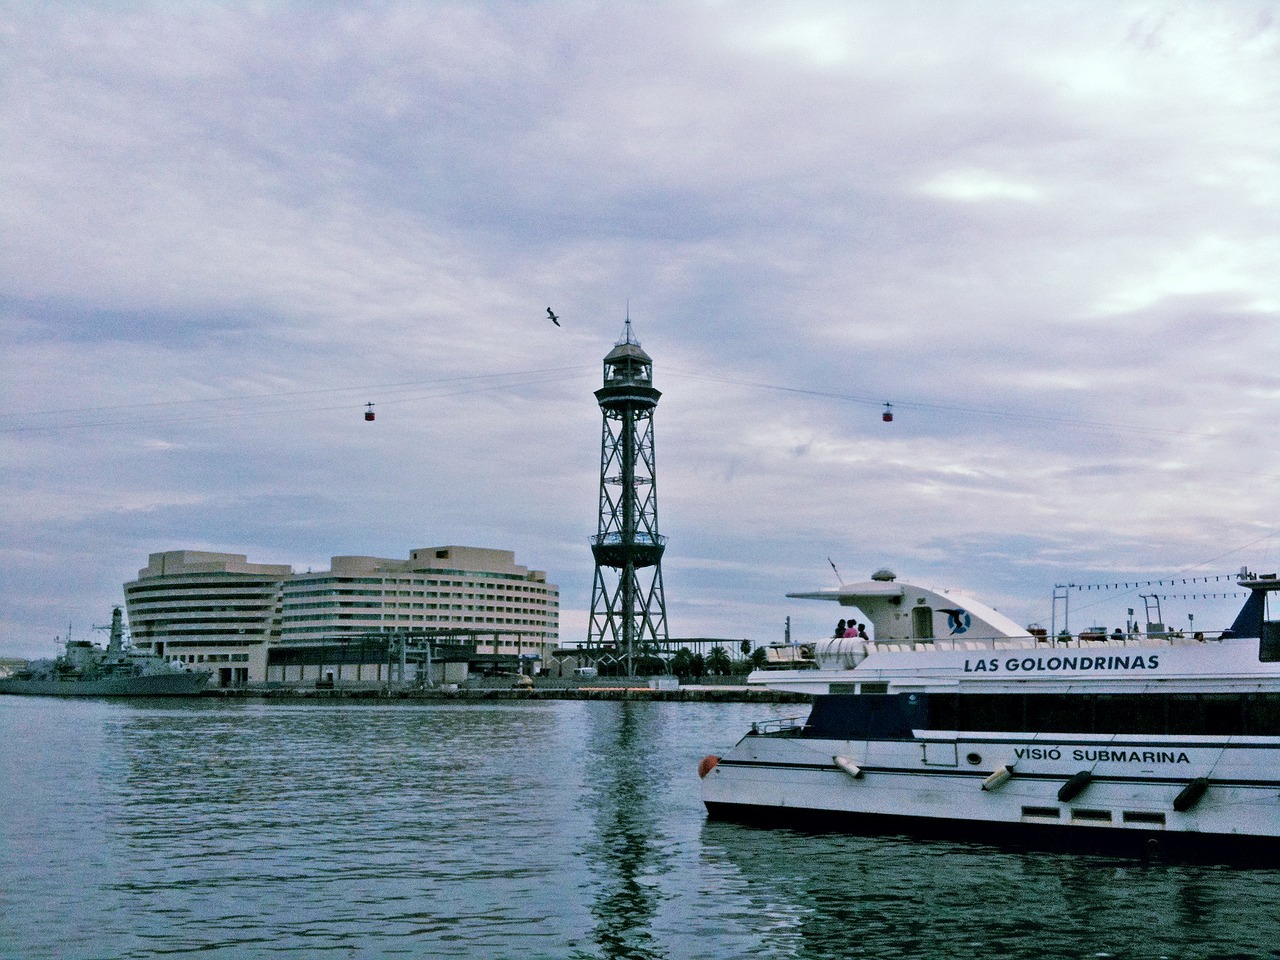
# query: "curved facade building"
438,588
220,612
478,595
213,609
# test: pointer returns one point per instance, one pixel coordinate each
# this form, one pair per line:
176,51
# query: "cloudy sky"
1047,233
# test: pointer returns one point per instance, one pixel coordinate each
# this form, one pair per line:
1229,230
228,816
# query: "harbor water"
522,829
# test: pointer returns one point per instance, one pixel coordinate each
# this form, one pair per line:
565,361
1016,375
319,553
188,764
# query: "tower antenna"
627,335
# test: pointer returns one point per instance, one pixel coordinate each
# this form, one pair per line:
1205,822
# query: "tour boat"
953,720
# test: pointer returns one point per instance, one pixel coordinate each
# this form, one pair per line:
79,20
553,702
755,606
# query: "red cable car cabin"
368,412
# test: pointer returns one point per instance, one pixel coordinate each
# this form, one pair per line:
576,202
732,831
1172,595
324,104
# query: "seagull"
554,318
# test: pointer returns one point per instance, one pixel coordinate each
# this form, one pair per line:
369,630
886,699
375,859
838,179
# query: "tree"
697,665
759,657
682,663
718,661
649,665
745,647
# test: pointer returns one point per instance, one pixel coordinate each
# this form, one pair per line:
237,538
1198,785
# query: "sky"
1046,233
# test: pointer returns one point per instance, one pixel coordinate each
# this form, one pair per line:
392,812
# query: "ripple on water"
529,830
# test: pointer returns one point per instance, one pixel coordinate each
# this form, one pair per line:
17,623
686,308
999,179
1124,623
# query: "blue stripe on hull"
1129,842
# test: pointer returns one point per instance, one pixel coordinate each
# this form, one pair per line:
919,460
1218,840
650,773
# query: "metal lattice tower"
628,608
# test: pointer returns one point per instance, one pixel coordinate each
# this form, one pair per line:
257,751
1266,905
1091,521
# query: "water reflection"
535,830
817,895
619,795
348,828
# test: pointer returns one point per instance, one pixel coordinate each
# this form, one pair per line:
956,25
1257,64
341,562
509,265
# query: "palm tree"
718,661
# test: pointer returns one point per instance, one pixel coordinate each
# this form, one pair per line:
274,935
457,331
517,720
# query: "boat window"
1096,815
1048,813
943,711
1148,713
1186,715
890,717
992,712
1269,646
1111,713
1221,714
1143,816
1262,715
1070,713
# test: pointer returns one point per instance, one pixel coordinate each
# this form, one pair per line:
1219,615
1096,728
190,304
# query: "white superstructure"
954,719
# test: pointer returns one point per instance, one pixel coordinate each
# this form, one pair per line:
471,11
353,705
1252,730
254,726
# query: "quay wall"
700,694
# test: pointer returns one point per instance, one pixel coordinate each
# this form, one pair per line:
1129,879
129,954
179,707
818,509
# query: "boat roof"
884,597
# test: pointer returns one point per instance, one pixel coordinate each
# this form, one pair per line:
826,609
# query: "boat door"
940,753
922,623
938,748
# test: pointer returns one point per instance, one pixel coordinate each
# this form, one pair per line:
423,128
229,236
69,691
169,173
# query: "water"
513,829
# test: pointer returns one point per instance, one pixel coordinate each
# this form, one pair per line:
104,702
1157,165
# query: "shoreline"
689,694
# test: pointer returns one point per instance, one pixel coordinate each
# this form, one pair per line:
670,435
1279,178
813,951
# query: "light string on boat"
1173,582
1101,590
1198,596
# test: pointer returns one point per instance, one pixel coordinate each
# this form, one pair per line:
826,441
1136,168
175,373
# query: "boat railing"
1086,641
778,726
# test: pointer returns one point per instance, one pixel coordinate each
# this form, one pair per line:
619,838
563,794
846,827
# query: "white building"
272,624
212,609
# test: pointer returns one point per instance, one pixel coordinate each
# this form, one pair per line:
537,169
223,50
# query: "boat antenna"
833,567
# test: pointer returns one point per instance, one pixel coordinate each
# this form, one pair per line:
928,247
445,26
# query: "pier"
632,689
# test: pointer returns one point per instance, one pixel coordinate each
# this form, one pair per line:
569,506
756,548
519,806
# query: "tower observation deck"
628,609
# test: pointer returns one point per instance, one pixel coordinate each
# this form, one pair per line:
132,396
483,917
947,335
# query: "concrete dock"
595,690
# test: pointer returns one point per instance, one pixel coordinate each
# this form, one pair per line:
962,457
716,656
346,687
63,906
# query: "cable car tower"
628,609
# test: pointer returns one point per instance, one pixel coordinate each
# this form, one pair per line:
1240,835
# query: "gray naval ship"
87,670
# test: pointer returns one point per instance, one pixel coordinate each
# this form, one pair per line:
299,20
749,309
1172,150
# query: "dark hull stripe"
1120,841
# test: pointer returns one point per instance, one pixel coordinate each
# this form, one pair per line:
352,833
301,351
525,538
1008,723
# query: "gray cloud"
1046,234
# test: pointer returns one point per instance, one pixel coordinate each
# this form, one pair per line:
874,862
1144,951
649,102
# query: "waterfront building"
212,609
366,619
473,607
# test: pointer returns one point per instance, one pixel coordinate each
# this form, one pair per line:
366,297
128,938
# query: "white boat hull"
955,720
937,787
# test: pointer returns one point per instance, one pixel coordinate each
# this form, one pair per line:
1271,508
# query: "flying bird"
554,318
